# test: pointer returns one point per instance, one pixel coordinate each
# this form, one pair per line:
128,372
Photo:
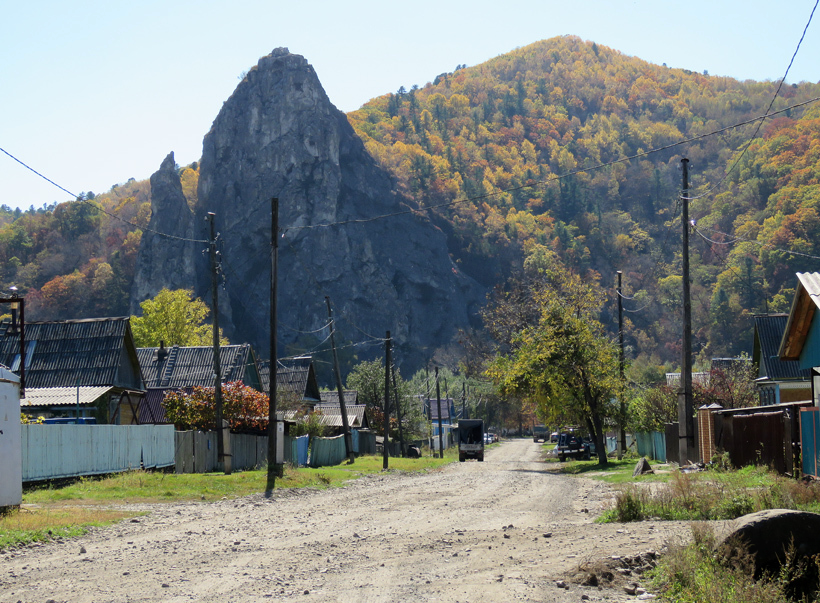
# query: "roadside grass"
24,526
63,511
615,471
711,495
694,574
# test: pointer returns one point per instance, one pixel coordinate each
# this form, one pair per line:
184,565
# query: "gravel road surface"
507,529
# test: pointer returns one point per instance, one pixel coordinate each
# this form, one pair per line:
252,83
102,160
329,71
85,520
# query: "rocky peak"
165,261
278,135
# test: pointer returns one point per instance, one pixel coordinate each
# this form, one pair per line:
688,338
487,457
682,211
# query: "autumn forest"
563,144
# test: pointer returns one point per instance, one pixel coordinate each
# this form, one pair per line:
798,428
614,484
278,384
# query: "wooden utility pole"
398,410
387,362
440,430
274,470
622,406
338,375
220,431
686,435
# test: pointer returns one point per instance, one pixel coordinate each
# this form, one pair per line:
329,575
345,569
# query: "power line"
81,199
556,177
760,124
738,238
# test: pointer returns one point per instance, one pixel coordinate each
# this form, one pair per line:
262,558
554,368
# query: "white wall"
11,465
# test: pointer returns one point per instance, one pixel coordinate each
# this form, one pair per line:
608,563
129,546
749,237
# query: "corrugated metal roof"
332,415
769,330
62,354
63,396
193,366
351,397
295,376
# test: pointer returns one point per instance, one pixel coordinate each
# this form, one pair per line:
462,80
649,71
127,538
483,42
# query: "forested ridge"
504,140
501,137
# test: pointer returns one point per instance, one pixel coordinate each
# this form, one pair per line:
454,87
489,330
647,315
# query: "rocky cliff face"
165,261
279,136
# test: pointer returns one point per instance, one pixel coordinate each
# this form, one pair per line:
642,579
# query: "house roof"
768,334
446,405
805,302
193,366
87,352
295,376
63,396
351,397
331,415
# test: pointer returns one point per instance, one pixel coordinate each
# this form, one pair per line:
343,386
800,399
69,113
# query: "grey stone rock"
767,535
278,135
642,467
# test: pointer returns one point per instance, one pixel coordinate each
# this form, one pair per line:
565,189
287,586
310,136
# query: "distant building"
778,381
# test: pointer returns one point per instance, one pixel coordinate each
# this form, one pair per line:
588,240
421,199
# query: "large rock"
278,135
163,261
767,535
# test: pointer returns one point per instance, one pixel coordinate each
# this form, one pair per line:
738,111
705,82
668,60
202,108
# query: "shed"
11,451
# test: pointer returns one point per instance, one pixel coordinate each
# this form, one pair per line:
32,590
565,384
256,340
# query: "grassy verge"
693,574
615,472
50,512
26,526
712,495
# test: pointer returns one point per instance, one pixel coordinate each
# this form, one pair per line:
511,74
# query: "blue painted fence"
56,451
810,439
327,451
652,445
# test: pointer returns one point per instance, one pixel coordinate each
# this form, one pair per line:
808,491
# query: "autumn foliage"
245,408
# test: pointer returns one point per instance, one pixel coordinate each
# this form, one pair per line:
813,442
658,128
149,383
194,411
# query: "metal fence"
60,451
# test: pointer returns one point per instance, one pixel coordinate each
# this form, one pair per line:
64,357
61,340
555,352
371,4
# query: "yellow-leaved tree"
175,318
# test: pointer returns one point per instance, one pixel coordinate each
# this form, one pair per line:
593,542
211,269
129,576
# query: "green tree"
175,318
564,361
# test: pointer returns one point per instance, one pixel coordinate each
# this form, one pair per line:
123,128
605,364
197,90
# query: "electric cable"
80,199
760,124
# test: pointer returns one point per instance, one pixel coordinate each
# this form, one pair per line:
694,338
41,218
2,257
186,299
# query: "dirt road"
502,530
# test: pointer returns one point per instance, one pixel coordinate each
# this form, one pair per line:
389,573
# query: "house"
331,416
778,381
351,396
801,337
85,368
185,367
296,384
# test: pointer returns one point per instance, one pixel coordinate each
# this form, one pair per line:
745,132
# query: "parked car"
572,445
553,437
488,438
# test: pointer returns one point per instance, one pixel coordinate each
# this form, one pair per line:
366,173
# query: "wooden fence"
59,451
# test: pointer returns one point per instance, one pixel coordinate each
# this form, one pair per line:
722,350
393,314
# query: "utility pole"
398,410
686,435
622,409
440,430
463,400
220,432
387,362
337,373
274,470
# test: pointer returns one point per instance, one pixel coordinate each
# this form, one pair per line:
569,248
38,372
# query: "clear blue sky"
96,92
